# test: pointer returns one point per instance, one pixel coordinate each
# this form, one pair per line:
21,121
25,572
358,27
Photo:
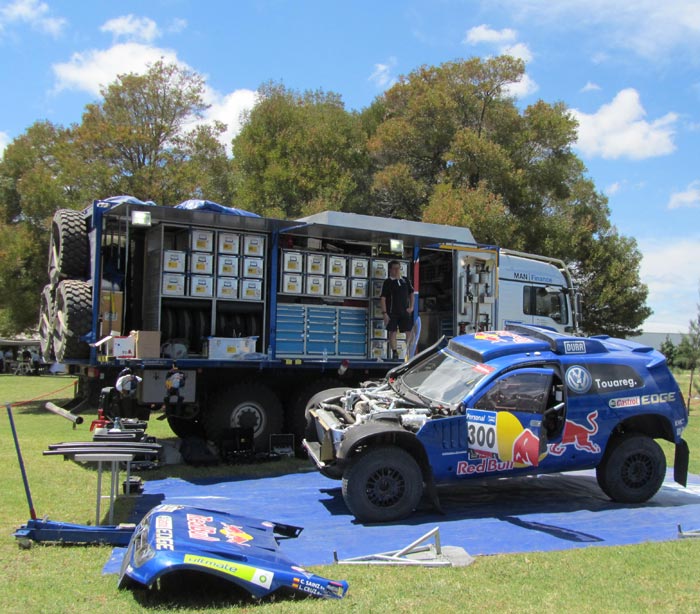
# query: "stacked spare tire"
65,315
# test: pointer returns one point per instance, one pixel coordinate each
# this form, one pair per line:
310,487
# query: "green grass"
658,577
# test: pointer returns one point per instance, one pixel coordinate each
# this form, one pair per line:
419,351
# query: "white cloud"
613,188
485,34
382,76
34,13
229,109
670,271
4,141
132,28
522,88
649,28
690,197
618,130
176,25
506,43
90,70
590,87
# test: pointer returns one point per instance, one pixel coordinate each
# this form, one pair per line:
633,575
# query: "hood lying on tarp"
209,205
239,549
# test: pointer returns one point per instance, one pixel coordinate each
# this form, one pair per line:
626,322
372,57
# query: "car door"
505,422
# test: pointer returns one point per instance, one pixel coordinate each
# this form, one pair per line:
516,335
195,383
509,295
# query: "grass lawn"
658,577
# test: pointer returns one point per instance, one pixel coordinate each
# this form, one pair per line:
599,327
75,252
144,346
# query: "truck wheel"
185,427
382,485
68,246
632,470
247,405
46,324
73,319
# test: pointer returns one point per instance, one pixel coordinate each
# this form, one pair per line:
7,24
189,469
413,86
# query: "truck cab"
519,401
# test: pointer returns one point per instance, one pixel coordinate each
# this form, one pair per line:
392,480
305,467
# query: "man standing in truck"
397,302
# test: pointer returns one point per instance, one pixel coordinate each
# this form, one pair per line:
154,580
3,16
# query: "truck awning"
357,227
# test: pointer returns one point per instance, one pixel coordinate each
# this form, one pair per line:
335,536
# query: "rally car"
524,400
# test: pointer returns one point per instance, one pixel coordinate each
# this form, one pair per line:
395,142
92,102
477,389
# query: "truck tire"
73,320
185,427
68,246
383,484
246,405
632,470
46,324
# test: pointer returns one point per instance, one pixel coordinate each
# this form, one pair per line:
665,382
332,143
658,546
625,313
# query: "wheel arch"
377,434
655,426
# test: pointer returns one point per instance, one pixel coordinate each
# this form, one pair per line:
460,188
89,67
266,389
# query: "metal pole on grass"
32,513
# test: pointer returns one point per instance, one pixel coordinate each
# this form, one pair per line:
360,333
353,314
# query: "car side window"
523,392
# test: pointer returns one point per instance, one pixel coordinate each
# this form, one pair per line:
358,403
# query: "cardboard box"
111,312
116,347
229,243
146,343
173,261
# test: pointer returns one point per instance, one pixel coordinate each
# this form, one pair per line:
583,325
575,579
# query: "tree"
297,154
688,353
137,139
669,350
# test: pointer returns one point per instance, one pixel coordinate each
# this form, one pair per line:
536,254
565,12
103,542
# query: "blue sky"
630,72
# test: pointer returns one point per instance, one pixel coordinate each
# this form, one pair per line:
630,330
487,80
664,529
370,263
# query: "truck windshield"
445,377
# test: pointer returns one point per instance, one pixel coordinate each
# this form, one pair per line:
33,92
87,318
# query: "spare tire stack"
66,302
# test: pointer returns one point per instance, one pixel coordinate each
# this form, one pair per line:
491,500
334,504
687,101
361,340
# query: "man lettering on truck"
397,302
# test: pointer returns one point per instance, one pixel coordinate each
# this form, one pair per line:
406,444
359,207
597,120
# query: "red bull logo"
484,466
526,449
235,535
492,337
579,436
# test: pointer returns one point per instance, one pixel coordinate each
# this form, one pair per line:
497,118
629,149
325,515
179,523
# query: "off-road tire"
632,470
382,484
47,318
73,320
68,246
246,405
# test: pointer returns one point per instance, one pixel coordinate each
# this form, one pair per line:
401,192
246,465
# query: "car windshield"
445,377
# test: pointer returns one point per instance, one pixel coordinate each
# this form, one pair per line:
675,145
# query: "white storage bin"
337,286
173,261
228,266
292,284
229,243
253,245
358,288
316,264
251,290
202,240
359,267
253,267
230,348
201,264
378,330
293,262
380,269
316,285
378,349
202,285
227,287
337,266
173,284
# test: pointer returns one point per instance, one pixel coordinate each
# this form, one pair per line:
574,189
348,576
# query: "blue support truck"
261,314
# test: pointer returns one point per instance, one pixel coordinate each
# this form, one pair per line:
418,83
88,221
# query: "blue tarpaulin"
208,205
539,513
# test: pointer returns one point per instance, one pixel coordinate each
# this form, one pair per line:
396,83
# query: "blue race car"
521,401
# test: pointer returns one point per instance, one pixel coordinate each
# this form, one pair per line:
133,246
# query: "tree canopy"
445,144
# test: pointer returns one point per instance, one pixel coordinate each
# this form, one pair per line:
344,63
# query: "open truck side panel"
261,314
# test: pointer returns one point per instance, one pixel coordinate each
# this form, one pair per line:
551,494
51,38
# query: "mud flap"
680,463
